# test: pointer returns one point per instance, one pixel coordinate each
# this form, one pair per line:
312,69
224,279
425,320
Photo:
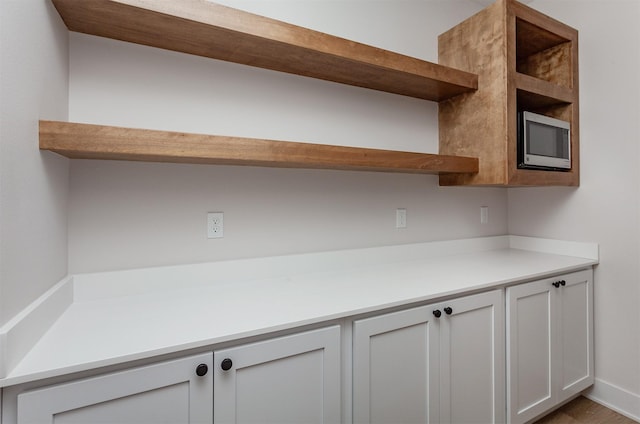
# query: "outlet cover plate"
401,218
215,225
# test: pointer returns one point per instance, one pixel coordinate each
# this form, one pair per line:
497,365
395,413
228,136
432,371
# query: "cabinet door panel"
472,360
395,368
141,407
531,314
575,323
550,338
292,379
296,382
169,392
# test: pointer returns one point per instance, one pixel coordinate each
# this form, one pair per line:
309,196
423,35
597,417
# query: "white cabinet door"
292,379
168,392
550,344
395,368
472,359
530,315
416,367
575,334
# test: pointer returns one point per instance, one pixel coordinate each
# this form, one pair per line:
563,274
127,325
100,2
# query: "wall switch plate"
484,214
215,225
401,218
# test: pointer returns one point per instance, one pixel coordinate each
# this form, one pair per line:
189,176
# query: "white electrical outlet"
401,218
484,214
215,225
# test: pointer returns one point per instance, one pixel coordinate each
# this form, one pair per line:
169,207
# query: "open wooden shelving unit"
526,61
505,59
215,31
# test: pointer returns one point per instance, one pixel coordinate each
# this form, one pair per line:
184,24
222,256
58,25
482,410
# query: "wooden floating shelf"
85,141
557,94
207,29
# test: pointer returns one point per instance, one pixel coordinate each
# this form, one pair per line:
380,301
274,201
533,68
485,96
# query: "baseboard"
616,398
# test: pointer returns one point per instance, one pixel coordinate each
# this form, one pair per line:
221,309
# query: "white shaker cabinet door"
550,343
395,368
441,363
291,379
168,392
472,359
530,315
575,334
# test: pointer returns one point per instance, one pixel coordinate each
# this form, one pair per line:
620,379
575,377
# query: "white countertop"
114,318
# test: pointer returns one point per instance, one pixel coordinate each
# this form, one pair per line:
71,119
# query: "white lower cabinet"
550,343
395,368
441,363
168,392
292,379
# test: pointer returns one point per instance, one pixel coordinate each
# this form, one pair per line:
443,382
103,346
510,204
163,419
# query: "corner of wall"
34,81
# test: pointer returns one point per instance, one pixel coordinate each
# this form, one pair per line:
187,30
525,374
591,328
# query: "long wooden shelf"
207,29
86,141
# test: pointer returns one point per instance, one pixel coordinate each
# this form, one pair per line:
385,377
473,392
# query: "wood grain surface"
208,29
85,141
525,60
584,411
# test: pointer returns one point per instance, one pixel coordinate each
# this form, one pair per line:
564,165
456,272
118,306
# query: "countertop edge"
21,336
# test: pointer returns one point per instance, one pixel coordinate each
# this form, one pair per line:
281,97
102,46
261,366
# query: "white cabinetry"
437,363
550,339
395,368
292,379
168,392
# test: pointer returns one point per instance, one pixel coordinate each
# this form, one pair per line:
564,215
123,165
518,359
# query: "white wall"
33,185
606,207
125,215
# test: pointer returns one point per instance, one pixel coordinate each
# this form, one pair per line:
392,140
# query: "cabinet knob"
437,313
563,283
556,284
201,370
226,364
448,310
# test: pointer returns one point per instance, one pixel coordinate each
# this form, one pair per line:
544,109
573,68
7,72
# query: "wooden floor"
584,411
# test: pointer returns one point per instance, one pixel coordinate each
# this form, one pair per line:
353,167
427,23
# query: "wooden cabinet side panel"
475,124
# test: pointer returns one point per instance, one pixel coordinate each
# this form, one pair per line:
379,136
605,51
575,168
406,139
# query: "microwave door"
546,146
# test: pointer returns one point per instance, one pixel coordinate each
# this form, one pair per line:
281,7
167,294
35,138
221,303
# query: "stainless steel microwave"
543,142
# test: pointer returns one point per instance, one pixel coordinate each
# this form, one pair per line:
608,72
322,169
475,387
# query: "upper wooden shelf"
208,29
85,141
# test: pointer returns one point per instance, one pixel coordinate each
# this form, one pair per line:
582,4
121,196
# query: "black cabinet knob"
226,364
448,310
202,370
563,283
556,284
437,313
